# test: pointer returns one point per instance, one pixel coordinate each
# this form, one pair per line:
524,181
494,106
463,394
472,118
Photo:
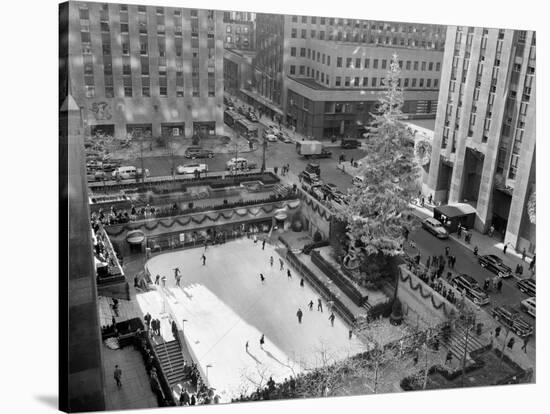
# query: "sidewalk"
486,245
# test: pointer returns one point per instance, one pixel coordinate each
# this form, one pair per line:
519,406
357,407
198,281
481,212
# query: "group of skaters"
152,325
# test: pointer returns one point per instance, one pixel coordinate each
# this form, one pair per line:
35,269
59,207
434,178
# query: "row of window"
129,92
366,38
84,12
372,25
375,82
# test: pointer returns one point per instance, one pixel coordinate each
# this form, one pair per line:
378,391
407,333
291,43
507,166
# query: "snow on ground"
225,305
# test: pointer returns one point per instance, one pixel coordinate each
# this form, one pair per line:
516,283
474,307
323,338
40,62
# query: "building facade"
332,69
145,70
484,138
239,30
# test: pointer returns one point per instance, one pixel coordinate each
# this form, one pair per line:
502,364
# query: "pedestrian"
505,248
319,305
302,282
517,269
184,398
350,333
246,346
532,264
459,231
310,304
262,341
118,376
193,400
331,319
157,279
281,264
475,250
288,274
271,261
511,343
499,285
449,358
447,250
524,346
147,318
255,238
178,279
299,314
497,331
523,254
430,199
203,257
351,162
263,244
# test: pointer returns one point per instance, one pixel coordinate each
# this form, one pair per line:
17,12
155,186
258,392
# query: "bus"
230,117
246,128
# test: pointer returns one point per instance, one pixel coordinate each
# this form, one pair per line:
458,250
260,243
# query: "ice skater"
299,314
281,264
203,257
263,244
246,346
262,278
157,279
271,261
331,319
288,274
319,305
178,280
302,282
310,305
350,334
262,341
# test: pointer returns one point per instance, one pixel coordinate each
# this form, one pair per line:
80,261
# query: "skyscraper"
484,139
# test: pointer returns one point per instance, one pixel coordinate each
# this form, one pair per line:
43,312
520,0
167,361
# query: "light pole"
182,327
208,366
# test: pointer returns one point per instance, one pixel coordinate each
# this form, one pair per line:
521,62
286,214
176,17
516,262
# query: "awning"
456,210
281,216
135,237
261,100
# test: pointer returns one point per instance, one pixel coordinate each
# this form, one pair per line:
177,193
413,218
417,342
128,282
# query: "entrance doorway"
102,131
204,128
139,130
173,130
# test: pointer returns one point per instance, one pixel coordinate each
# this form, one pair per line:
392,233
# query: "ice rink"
225,305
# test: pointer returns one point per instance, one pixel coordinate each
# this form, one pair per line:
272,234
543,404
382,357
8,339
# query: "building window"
302,70
375,64
109,92
423,66
313,34
294,19
302,52
292,51
328,60
123,27
347,81
406,84
436,83
338,81
415,65
126,70
348,62
304,19
322,34
413,83
128,91
356,81
428,83
304,33
338,62
358,63
146,91
431,66
384,62
292,69
408,65
373,82
365,81
90,91
293,33
367,63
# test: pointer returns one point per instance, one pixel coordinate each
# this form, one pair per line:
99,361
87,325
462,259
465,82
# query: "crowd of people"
107,259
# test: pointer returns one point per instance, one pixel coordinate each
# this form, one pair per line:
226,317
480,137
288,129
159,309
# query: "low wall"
317,215
422,305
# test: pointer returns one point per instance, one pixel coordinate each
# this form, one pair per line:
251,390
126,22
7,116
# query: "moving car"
252,117
511,319
308,177
494,264
435,227
270,138
527,286
128,172
240,164
464,281
529,306
191,168
285,138
198,152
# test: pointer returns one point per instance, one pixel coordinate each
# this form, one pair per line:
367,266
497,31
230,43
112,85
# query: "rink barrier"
325,292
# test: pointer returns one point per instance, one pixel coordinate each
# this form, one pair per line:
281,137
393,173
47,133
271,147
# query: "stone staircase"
281,189
171,360
457,343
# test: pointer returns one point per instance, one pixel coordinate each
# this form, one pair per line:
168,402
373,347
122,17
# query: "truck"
312,149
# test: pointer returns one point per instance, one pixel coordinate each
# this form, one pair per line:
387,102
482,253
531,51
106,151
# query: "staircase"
457,343
171,361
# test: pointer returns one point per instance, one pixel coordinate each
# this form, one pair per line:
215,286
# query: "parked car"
527,286
358,180
494,264
511,319
252,117
191,168
529,306
285,138
435,227
270,138
96,176
350,144
468,286
329,189
198,152
313,167
309,177
240,164
128,172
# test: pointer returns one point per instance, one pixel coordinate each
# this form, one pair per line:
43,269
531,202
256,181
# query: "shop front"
204,128
139,131
173,129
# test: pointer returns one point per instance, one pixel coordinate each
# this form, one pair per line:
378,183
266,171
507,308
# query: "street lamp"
182,326
208,366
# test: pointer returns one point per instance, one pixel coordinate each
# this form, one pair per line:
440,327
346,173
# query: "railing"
340,280
339,306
